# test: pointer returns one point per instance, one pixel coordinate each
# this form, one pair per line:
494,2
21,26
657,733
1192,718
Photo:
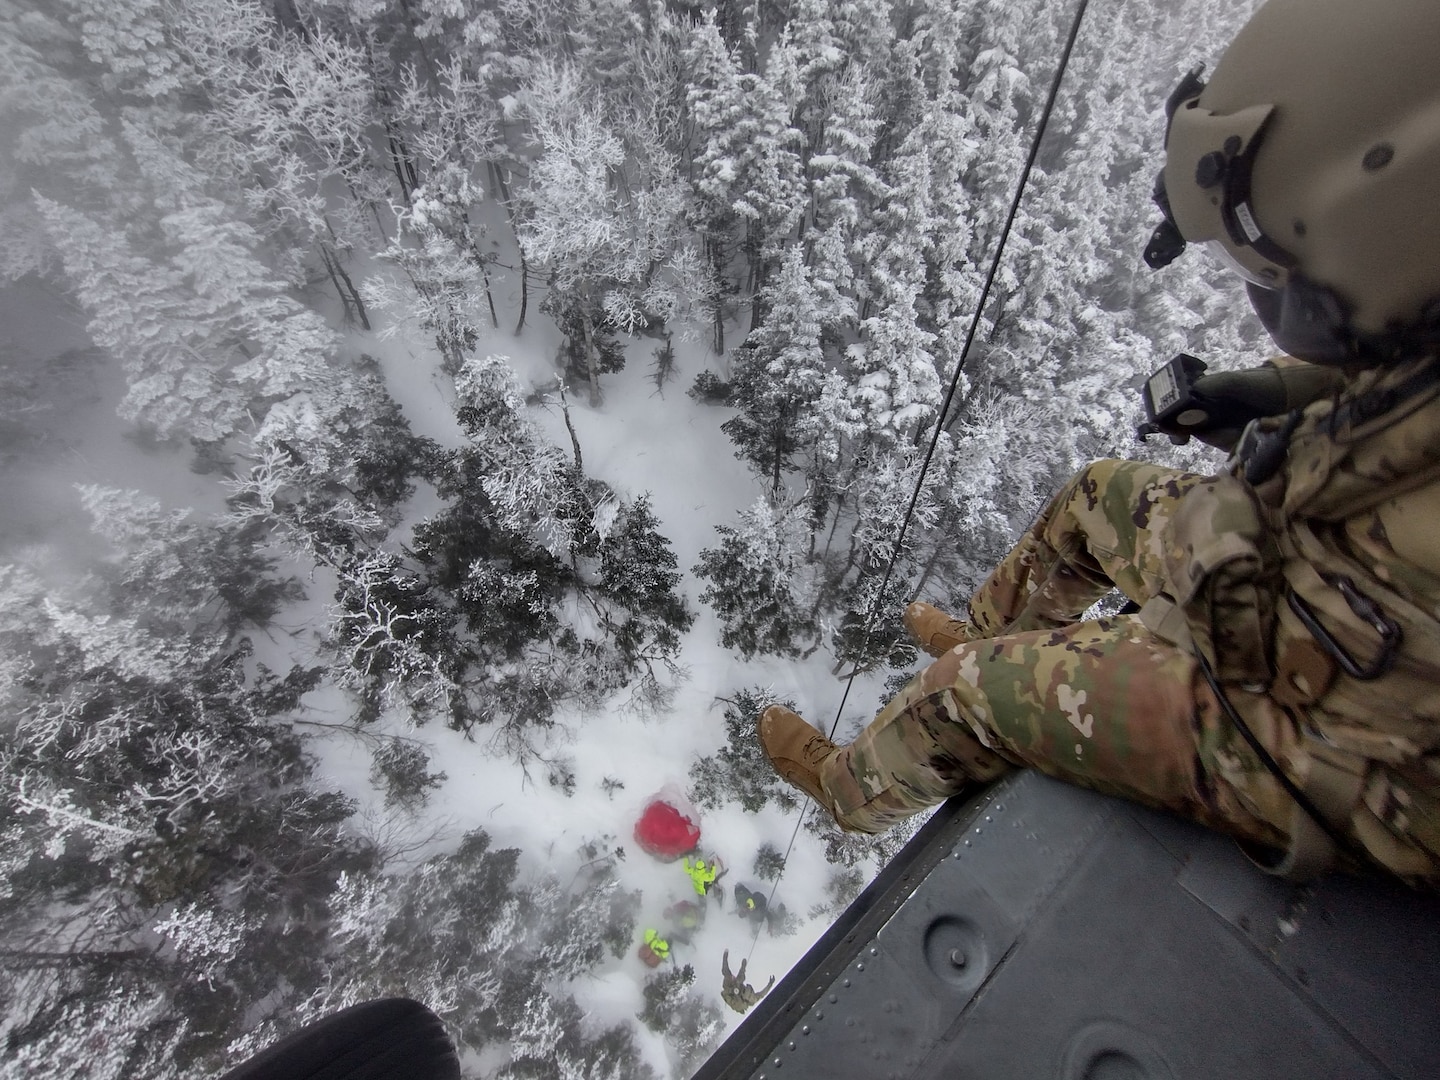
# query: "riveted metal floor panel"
1038,931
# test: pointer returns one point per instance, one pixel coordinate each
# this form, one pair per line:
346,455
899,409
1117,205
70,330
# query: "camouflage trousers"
1104,703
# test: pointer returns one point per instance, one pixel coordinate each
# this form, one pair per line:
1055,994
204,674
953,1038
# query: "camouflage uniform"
1114,705
735,991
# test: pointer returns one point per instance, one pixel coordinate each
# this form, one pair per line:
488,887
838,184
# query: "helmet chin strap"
1311,322
1305,321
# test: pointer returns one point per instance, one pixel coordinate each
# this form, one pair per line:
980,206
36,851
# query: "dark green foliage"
403,770
521,696
709,389
764,429
507,604
388,456
843,887
637,573
610,1053
664,363
207,785
895,682
886,643
619,929
177,574
609,354
782,922
31,385
613,1054
769,863
486,569
560,774
465,922
503,585
694,1029
391,618
245,578
851,849
449,919
664,994
467,531
739,771
522,531
210,458
271,695
751,590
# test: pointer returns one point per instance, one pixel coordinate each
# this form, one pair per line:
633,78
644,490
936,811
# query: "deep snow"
638,440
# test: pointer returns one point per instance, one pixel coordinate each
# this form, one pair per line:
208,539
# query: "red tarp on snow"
665,832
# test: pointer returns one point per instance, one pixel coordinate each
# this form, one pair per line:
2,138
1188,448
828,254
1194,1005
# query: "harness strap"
1324,802
1376,403
1324,805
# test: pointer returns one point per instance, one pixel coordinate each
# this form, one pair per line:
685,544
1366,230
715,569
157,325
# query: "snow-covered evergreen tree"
164,852
739,771
760,584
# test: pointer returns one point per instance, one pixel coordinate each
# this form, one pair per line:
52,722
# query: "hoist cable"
1005,230
965,349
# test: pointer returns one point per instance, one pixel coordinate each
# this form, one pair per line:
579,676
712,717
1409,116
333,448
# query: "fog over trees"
244,203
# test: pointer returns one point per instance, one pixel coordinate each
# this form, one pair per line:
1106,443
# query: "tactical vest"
1311,573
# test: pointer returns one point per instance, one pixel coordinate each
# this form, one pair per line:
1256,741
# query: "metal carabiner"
1368,612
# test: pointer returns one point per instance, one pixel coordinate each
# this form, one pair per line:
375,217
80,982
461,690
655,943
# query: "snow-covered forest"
430,428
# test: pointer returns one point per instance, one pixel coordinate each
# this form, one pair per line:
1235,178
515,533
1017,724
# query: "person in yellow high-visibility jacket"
654,950
703,875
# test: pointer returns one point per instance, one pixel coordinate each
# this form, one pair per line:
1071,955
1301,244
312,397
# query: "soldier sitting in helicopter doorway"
1280,680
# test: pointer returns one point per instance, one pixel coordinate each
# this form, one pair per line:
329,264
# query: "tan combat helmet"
1310,163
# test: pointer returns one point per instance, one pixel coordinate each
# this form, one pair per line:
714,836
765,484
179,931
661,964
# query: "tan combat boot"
796,749
935,632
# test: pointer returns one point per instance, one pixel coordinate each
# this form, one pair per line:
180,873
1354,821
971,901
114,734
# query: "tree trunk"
835,524
375,210
349,295
289,18
485,274
489,299
329,262
524,293
779,437
713,251
574,439
758,310
590,358
957,410
402,163
758,275
998,307
502,189
930,565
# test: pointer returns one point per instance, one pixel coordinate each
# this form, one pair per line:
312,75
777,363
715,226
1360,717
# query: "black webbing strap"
1341,841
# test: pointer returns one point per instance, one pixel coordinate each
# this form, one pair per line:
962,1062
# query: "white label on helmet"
1247,221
